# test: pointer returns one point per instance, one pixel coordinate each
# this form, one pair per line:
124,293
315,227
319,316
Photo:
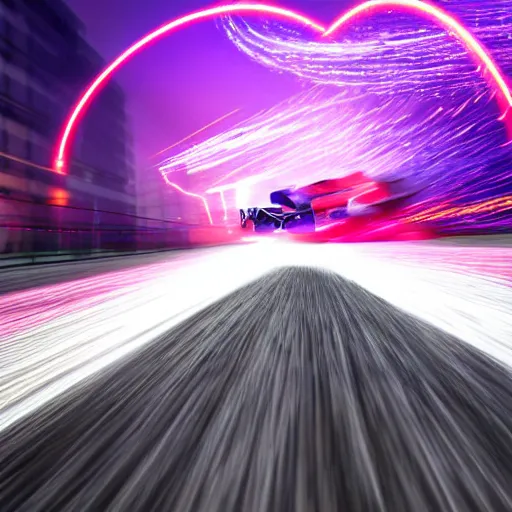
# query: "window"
4,140
18,91
46,177
7,30
29,149
3,26
40,155
16,146
5,84
18,38
4,162
38,101
17,136
41,56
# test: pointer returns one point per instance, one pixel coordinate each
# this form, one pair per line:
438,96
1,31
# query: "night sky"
188,79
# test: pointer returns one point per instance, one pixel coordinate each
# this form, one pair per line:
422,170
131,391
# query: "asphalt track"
299,392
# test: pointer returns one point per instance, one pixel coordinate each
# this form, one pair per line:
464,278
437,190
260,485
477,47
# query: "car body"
352,208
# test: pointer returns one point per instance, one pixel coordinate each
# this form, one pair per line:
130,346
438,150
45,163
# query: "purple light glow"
412,104
384,53
453,152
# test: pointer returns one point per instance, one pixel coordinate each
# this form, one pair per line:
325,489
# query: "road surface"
340,388
301,391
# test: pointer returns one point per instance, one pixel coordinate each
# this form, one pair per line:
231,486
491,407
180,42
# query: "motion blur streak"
457,154
63,337
73,329
192,194
301,391
197,132
388,52
466,293
490,263
445,20
30,308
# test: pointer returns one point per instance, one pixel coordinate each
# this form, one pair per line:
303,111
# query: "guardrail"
17,260
35,233
28,227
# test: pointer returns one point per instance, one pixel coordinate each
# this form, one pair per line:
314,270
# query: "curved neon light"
446,21
419,6
213,12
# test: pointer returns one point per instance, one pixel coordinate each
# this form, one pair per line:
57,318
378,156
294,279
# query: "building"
45,62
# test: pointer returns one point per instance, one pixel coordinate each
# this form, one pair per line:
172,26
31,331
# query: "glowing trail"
283,14
243,8
197,132
388,57
456,153
194,195
445,20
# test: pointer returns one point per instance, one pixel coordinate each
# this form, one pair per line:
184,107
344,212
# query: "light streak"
443,211
14,158
197,132
388,54
181,22
285,15
301,137
192,194
445,20
456,151
224,206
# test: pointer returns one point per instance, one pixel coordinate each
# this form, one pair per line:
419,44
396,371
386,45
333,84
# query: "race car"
351,208
273,219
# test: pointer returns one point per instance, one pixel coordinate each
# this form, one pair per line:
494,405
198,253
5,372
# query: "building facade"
45,62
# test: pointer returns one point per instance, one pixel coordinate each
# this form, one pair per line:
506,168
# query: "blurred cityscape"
45,62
